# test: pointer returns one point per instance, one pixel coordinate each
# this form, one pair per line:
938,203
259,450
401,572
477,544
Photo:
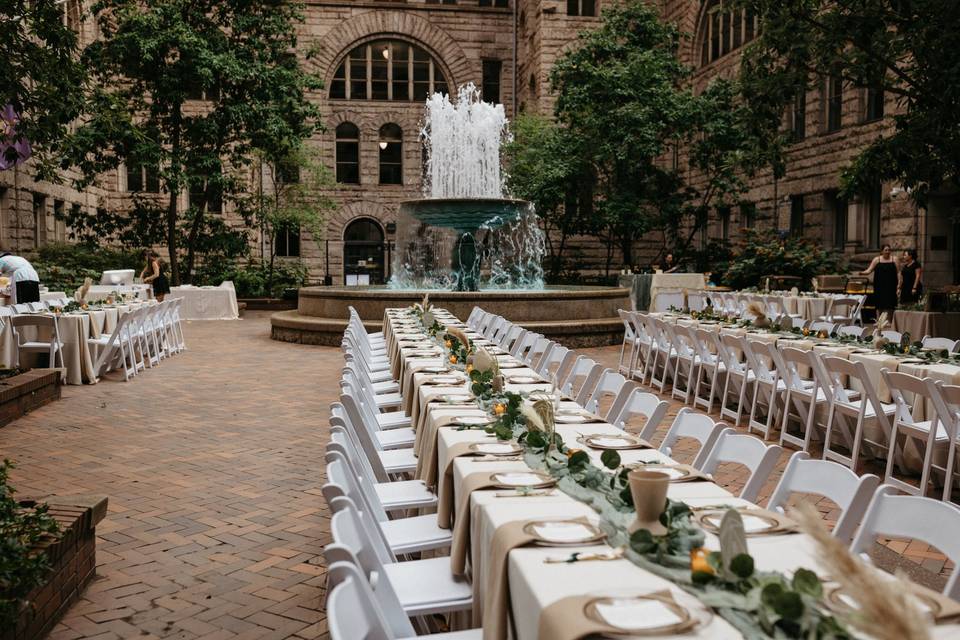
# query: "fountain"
464,193
465,242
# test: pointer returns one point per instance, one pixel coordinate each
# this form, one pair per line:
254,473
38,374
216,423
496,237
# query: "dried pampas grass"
886,610
759,313
459,334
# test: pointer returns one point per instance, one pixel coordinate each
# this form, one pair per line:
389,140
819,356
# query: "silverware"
577,556
495,458
539,493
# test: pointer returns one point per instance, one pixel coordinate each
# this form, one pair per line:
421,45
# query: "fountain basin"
574,316
465,215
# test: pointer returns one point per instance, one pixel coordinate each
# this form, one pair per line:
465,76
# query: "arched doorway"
363,252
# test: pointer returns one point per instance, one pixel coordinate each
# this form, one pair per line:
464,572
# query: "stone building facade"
379,58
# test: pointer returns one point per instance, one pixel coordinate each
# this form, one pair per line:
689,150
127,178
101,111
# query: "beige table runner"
461,525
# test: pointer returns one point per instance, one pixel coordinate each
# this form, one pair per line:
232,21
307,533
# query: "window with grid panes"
388,70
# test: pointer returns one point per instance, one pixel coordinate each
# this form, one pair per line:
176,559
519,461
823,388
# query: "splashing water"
462,141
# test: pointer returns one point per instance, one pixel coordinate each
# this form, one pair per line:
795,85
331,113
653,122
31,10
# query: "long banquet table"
75,328
533,585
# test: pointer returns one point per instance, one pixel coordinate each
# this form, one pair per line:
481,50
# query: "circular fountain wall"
574,316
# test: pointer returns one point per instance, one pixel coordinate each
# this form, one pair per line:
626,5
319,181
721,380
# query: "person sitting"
25,281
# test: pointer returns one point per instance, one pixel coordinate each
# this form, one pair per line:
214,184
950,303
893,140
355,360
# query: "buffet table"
528,584
644,287
207,303
927,323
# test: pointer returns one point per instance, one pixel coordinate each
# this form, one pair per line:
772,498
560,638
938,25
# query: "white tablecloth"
101,291
207,303
664,281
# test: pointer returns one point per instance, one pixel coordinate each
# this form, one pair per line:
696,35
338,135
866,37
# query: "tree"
192,88
42,78
545,167
902,49
290,197
622,113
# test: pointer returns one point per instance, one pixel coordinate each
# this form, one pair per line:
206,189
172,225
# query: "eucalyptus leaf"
610,459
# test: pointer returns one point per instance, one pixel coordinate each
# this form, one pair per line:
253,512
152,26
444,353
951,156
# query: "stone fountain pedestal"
574,316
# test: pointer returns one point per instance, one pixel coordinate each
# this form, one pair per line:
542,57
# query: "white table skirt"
207,303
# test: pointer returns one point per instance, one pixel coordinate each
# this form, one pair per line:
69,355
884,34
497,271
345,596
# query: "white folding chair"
662,355
666,299
865,409
53,347
751,452
739,376
584,375
701,428
642,347
893,336
422,587
843,311
850,492
639,403
23,307
538,350
931,521
853,331
629,338
696,300
112,351
805,395
360,410
354,610
386,464
685,364
940,343
711,369
767,387
822,326
929,435
610,384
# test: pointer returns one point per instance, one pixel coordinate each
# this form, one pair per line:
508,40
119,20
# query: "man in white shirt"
25,281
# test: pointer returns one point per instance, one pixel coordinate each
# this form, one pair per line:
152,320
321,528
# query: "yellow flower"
698,561
453,359
448,344
469,368
499,408
570,452
806,332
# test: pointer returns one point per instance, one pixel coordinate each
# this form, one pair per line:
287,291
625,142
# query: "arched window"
724,29
391,154
388,70
348,153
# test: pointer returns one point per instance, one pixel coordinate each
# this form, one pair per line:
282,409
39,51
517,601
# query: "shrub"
252,280
766,252
21,567
62,267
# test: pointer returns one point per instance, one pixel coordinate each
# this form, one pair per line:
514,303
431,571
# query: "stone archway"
390,23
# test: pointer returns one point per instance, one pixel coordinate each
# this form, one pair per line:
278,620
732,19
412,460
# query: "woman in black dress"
911,278
153,274
886,279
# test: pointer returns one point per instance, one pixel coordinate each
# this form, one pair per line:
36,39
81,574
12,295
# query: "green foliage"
21,568
153,60
254,279
682,535
764,252
905,49
63,267
41,78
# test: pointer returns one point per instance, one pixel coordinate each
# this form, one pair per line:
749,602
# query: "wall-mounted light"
383,144
386,53
391,227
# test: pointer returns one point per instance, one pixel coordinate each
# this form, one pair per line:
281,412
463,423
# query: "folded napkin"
461,524
425,444
495,600
566,619
445,485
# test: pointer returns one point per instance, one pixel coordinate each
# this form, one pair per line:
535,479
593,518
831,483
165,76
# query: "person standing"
911,278
153,274
25,283
886,280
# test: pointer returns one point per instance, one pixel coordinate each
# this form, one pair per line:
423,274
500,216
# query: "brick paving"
213,464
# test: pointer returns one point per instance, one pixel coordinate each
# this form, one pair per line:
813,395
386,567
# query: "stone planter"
22,393
73,563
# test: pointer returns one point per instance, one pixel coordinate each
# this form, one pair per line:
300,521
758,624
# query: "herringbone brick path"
212,463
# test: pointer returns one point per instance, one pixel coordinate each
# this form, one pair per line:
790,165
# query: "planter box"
22,393
73,562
